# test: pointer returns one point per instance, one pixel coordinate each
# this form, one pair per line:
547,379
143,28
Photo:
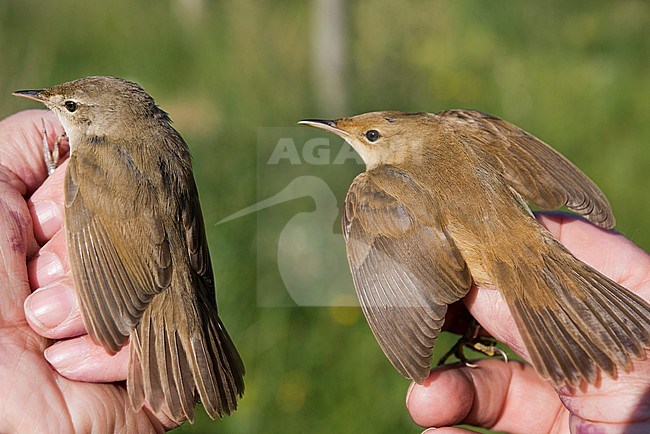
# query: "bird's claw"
51,157
488,348
472,340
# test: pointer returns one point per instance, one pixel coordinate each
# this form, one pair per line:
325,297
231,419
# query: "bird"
138,250
443,205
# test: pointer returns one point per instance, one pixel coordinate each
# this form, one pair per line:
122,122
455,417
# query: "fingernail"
408,392
48,216
65,354
50,306
48,267
429,430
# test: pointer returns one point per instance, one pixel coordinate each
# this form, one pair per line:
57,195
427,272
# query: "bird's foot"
471,339
51,157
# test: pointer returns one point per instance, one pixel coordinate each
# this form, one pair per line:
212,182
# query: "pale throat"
76,133
372,159
70,130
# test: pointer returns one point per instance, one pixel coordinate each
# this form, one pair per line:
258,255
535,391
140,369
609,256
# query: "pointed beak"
36,95
324,124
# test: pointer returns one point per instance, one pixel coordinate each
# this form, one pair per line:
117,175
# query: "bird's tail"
181,355
573,320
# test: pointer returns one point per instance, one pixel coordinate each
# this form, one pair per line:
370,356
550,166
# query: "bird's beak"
36,95
324,124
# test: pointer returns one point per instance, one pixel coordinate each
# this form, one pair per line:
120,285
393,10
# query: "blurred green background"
576,74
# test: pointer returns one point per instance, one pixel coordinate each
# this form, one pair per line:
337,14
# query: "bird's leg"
472,340
51,157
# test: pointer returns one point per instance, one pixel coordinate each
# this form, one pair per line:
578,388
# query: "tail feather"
575,321
184,383
589,316
635,318
172,369
220,378
166,373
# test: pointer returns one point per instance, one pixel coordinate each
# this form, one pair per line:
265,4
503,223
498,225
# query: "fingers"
16,243
21,150
489,308
22,170
46,206
53,312
80,359
52,309
115,413
501,396
511,397
50,264
448,430
607,251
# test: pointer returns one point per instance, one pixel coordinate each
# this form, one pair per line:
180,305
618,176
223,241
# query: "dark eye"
372,135
70,106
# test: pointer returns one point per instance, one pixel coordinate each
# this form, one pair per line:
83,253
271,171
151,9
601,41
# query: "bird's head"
96,106
386,137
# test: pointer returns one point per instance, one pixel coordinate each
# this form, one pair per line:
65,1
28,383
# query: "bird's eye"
71,106
372,135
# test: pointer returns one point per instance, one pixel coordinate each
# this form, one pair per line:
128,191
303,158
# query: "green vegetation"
576,74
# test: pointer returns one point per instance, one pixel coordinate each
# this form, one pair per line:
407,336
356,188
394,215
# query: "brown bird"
442,205
138,250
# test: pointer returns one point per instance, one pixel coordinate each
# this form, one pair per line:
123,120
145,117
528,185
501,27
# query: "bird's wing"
534,169
405,272
197,243
120,259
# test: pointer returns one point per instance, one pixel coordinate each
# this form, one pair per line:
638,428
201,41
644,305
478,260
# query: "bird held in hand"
138,250
442,205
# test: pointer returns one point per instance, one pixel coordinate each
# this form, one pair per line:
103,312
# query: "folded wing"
405,270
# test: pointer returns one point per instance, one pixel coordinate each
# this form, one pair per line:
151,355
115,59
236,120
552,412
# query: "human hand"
39,396
511,396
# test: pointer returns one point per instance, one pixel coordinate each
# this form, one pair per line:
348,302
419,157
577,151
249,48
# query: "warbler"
138,250
443,205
